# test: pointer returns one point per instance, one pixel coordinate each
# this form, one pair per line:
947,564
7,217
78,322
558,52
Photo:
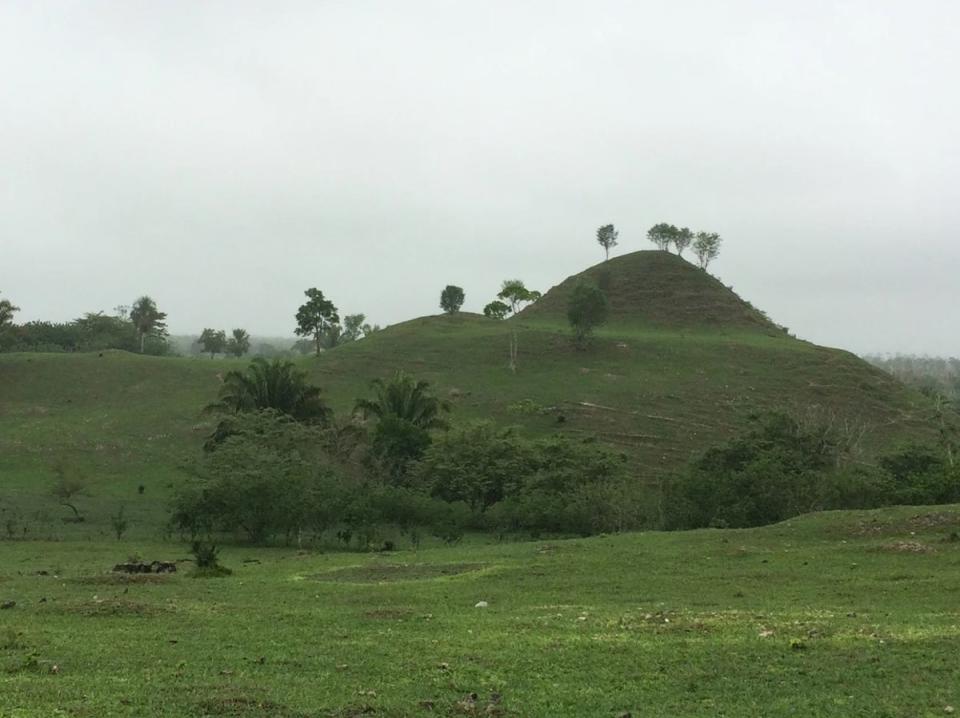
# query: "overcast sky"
224,156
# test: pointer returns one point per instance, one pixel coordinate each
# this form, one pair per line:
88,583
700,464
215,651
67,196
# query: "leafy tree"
276,385
96,331
587,309
7,310
706,246
267,477
147,320
478,464
682,239
496,310
213,341
67,487
355,327
316,317
516,294
662,235
451,299
607,238
239,343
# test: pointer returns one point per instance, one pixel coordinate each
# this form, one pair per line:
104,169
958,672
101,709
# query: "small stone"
481,604
8,604
948,709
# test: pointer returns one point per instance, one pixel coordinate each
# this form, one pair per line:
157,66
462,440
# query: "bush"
266,478
513,484
780,469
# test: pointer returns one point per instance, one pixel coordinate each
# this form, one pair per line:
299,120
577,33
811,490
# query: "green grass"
837,614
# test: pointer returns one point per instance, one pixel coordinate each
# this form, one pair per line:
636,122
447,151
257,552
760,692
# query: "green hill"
656,289
683,364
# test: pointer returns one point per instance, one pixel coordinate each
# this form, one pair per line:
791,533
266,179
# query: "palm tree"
404,398
239,343
277,385
147,319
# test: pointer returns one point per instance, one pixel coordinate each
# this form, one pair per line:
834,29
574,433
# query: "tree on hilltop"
607,238
516,295
662,235
316,317
706,246
451,299
682,239
496,310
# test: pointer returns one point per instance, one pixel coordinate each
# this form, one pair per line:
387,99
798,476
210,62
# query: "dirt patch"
112,607
388,614
907,547
120,579
242,706
918,523
377,573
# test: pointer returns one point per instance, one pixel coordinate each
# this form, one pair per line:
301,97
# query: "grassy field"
838,614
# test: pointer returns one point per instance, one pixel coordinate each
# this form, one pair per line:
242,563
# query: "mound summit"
657,289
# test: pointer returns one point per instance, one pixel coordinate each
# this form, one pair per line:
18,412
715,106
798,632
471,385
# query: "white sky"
225,156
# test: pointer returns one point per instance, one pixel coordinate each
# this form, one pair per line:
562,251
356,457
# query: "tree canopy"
147,319
451,299
607,238
213,341
238,344
662,235
316,317
587,309
706,246
277,385
516,295
682,239
496,310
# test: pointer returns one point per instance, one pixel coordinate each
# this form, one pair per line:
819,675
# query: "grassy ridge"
839,614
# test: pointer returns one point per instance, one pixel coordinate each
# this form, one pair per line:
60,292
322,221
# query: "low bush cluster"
782,468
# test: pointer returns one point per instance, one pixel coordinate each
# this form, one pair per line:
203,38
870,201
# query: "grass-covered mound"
657,289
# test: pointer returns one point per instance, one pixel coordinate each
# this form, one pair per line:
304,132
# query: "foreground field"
841,614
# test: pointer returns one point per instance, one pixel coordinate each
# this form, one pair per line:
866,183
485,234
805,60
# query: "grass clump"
206,557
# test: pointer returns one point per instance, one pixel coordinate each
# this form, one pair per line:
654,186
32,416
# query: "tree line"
140,327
